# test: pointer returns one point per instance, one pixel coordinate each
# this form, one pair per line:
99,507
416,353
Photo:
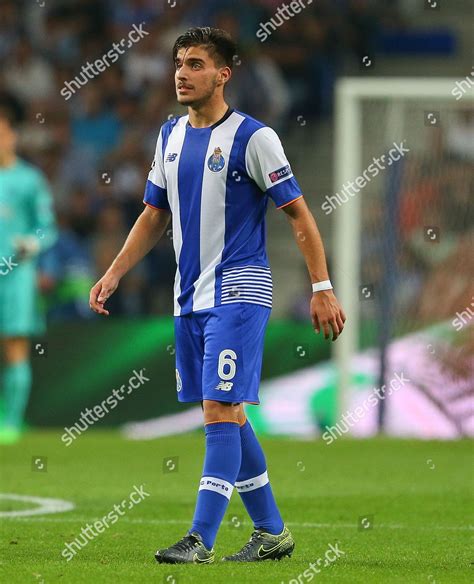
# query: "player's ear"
224,75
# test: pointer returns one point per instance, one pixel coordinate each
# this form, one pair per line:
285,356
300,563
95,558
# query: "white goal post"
350,95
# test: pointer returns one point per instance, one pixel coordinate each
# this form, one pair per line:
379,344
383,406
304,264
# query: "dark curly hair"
218,43
11,110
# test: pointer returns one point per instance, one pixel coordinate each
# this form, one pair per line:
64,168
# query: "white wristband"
324,285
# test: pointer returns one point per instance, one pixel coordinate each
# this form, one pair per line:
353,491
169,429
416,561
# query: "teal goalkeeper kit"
26,217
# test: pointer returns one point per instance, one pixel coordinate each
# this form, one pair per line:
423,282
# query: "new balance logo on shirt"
217,191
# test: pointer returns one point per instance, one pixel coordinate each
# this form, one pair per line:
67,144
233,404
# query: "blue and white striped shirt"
216,182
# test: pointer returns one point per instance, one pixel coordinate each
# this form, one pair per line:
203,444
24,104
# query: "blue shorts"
219,353
20,304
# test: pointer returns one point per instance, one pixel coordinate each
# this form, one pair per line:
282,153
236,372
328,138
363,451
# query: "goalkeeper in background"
27,227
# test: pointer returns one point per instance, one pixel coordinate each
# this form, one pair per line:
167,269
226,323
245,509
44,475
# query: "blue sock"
221,466
17,385
253,485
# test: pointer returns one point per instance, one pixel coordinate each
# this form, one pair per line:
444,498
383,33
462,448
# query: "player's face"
7,138
197,76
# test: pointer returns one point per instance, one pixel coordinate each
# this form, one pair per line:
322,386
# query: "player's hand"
326,313
26,247
101,292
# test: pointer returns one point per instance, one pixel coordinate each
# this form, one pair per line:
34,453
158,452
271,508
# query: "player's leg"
221,466
271,539
234,339
20,318
16,383
220,470
253,484
221,335
189,348
189,345
224,386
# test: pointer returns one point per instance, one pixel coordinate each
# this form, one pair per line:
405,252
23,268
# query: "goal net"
403,261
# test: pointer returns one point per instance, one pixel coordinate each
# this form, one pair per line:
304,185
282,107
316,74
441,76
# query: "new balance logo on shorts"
224,385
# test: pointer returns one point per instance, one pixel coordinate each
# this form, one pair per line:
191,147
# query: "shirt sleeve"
155,191
43,221
268,166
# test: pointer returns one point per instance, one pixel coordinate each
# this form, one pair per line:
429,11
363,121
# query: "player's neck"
207,115
7,159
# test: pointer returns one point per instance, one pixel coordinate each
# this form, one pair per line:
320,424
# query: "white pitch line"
45,506
290,524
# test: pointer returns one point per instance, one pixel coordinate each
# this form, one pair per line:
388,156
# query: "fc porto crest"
216,162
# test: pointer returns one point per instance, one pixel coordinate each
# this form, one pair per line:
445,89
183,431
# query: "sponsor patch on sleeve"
277,175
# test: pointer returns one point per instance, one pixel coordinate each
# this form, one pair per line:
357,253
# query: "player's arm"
268,166
42,230
325,309
145,234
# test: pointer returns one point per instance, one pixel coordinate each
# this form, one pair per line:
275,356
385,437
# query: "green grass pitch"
416,498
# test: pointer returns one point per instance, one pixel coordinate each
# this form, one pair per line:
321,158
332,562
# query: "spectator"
28,75
94,127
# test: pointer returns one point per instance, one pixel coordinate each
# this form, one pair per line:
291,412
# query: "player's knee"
16,349
215,411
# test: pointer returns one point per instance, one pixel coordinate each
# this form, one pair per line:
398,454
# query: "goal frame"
350,92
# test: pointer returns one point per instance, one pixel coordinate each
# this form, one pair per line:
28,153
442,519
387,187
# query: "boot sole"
161,560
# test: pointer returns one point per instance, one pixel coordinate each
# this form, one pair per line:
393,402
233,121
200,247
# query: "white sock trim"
253,483
217,485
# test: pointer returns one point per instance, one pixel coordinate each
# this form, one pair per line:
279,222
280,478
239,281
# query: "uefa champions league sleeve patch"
277,175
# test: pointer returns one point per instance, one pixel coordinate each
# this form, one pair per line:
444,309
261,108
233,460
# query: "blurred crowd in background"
96,147
434,242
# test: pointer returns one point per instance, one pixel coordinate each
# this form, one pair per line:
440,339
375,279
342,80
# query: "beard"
197,102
